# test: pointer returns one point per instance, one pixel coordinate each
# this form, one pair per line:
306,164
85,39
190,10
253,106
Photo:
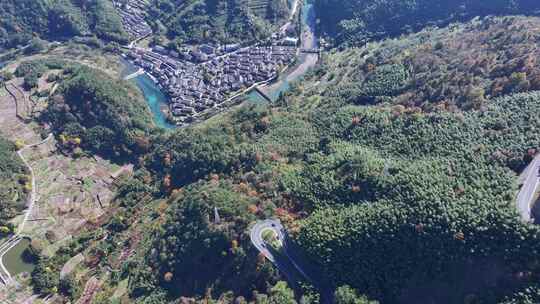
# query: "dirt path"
32,199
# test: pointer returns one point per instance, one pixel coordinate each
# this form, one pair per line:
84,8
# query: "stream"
305,61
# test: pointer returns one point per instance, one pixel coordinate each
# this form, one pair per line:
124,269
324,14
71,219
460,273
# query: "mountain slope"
13,179
397,201
218,20
21,19
354,21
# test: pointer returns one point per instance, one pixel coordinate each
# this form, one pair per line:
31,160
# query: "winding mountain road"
530,180
257,240
284,259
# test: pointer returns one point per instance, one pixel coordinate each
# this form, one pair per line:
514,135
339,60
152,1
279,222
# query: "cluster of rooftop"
199,81
132,13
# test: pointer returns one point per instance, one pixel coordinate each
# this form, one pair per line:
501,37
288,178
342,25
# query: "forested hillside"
448,69
14,185
412,184
22,19
218,20
93,111
355,21
401,201
393,165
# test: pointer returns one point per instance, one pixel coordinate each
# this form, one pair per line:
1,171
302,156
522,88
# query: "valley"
269,152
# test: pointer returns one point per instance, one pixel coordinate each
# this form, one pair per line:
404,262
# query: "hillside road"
530,181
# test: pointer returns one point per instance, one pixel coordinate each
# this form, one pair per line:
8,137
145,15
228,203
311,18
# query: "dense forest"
20,20
92,110
393,200
416,194
14,185
217,20
352,22
435,71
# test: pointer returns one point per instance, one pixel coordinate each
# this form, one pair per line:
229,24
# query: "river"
157,101
305,61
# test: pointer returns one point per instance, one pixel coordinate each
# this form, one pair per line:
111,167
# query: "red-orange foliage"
459,236
253,209
167,181
258,157
369,67
275,156
243,187
143,143
167,159
265,121
168,276
261,258
281,212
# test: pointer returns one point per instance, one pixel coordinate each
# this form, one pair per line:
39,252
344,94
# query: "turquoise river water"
157,101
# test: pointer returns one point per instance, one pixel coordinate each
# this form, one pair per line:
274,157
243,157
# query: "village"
200,79
207,77
133,13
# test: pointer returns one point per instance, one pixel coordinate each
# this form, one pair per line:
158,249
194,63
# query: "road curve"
286,262
257,240
530,180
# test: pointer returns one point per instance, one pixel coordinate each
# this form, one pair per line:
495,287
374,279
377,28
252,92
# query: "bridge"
311,51
133,75
256,88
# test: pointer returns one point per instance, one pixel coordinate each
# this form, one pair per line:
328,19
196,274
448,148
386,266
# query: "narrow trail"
5,276
32,198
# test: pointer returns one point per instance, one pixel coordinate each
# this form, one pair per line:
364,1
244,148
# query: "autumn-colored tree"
168,276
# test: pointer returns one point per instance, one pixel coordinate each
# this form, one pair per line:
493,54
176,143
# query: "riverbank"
158,102
306,61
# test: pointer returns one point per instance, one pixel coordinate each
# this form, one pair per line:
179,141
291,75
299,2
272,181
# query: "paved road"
285,261
257,240
530,180
294,9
